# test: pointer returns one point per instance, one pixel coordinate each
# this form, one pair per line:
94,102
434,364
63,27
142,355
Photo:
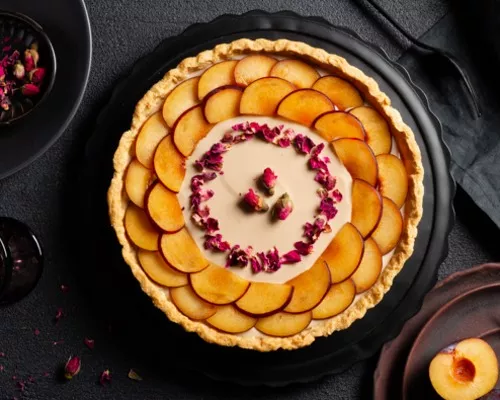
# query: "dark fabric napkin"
471,32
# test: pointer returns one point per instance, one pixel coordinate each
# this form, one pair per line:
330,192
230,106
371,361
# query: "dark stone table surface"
123,31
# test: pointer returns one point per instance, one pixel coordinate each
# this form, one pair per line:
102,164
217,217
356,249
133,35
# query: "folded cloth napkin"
471,32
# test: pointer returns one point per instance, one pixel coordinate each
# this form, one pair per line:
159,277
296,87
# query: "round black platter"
165,347
67,25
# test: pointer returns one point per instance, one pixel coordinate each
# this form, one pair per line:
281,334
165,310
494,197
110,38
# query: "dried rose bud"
105,377
255,202
72,367
36,75
268,180
89,343
5,103
30,89
29,63
19,71
283,207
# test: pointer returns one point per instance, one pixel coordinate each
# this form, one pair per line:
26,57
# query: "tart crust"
410,154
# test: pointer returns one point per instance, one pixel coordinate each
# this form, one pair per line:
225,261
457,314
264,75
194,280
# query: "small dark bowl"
20,26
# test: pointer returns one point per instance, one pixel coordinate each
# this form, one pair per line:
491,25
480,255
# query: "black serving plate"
146,332
67,25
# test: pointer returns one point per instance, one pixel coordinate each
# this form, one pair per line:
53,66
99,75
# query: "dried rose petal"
254,201
268,180
238,257
2,354
105,377
318,164
291,257
36,331
227,138
284,142
283,207
327,208
21,385
64,288
303,144
89,343
337,196
303,248
59,315
72,367
2,73
134,375
216,243
274,260
211,225
57,342
255,264
314,230
29,89
269,134
325,179
2,368
316,151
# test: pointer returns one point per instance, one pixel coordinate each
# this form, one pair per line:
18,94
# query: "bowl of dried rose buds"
27,66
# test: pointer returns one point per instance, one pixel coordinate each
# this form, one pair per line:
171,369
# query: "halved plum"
263,298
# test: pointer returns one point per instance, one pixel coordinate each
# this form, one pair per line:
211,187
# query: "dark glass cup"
21,260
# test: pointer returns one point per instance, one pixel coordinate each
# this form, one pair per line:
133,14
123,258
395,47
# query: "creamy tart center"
243,165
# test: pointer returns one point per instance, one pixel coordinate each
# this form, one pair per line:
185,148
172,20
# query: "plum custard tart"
266,194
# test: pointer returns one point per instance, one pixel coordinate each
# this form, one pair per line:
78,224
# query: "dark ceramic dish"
67,24
388,377
25,31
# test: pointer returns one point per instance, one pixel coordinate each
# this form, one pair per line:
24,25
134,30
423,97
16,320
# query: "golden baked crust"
410,153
